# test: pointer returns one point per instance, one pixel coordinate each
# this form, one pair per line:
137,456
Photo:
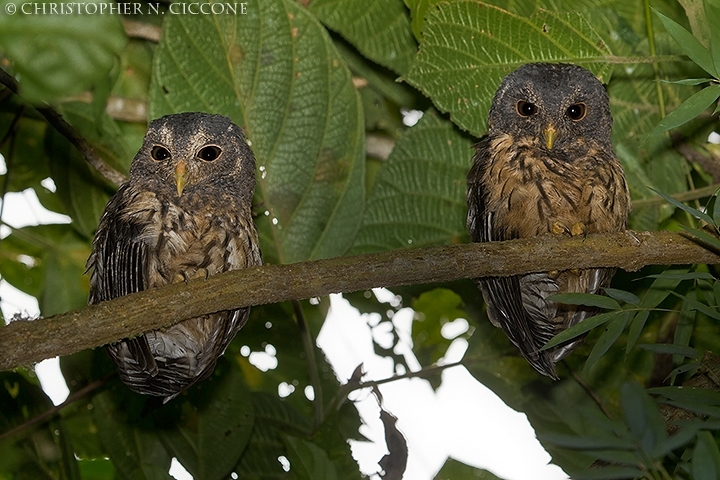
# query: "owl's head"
552,106
187,154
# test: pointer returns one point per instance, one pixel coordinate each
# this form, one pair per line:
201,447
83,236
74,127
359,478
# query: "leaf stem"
48,414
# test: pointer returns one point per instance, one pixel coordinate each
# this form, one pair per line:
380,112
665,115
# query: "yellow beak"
550,133
181,176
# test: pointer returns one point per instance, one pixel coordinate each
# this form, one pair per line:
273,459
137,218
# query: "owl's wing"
118,264
527,328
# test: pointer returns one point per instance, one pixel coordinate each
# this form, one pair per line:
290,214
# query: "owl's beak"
181,176
550,133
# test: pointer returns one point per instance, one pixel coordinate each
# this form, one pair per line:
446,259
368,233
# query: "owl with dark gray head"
546,166
184,213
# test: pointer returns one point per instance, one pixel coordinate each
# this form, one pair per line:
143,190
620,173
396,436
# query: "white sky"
463,419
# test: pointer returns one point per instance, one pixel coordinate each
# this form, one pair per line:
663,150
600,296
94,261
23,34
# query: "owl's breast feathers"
519,190
142,243
528,189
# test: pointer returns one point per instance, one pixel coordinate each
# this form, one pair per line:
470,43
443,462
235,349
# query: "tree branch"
27,342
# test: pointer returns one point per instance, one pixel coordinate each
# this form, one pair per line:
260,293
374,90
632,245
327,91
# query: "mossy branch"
27,342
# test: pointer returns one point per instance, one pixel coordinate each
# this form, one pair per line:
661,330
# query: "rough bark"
27,342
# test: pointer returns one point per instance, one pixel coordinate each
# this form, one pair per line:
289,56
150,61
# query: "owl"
546,166
184,213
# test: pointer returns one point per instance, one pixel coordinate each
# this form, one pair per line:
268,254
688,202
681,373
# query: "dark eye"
209,153
159,153
525,109
576,111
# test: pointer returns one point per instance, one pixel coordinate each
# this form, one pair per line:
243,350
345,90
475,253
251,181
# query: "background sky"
462,419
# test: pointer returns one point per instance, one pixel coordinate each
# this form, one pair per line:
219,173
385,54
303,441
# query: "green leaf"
55,55
608,473
683,436
706,458
586,443
135,450
687,367
642,416
688,394
715,209
712,10
214,427
689,109
622,296
582,327
699,306
636,326
455,470
434,309
419,194
308,461
468,47
683,276
379,29
81,190
590,299
276,73
668,348
692,211
703,236
613,330
690,81
689,44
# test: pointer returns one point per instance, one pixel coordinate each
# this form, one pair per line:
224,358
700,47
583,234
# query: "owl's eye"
159,153
209,153
526,109
576,111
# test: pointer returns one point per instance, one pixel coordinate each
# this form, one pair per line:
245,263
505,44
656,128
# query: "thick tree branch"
27,342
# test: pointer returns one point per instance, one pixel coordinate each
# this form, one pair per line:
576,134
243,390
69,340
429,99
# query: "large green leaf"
455,470
57,54
129,440
275,72
469,46
214,427
379,29
419,195
308,461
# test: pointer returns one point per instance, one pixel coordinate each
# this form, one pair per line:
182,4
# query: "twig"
48,414
10,134
66,130
145,31
595,398
24,343
354,384
682,197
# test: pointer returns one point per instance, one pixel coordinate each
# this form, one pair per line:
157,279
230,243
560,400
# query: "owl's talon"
559,229
578,229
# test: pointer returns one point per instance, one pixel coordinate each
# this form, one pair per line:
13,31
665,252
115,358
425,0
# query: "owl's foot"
184,277
578,229
559,229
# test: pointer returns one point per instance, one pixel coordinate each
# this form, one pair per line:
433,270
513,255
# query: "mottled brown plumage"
546,166
184,213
